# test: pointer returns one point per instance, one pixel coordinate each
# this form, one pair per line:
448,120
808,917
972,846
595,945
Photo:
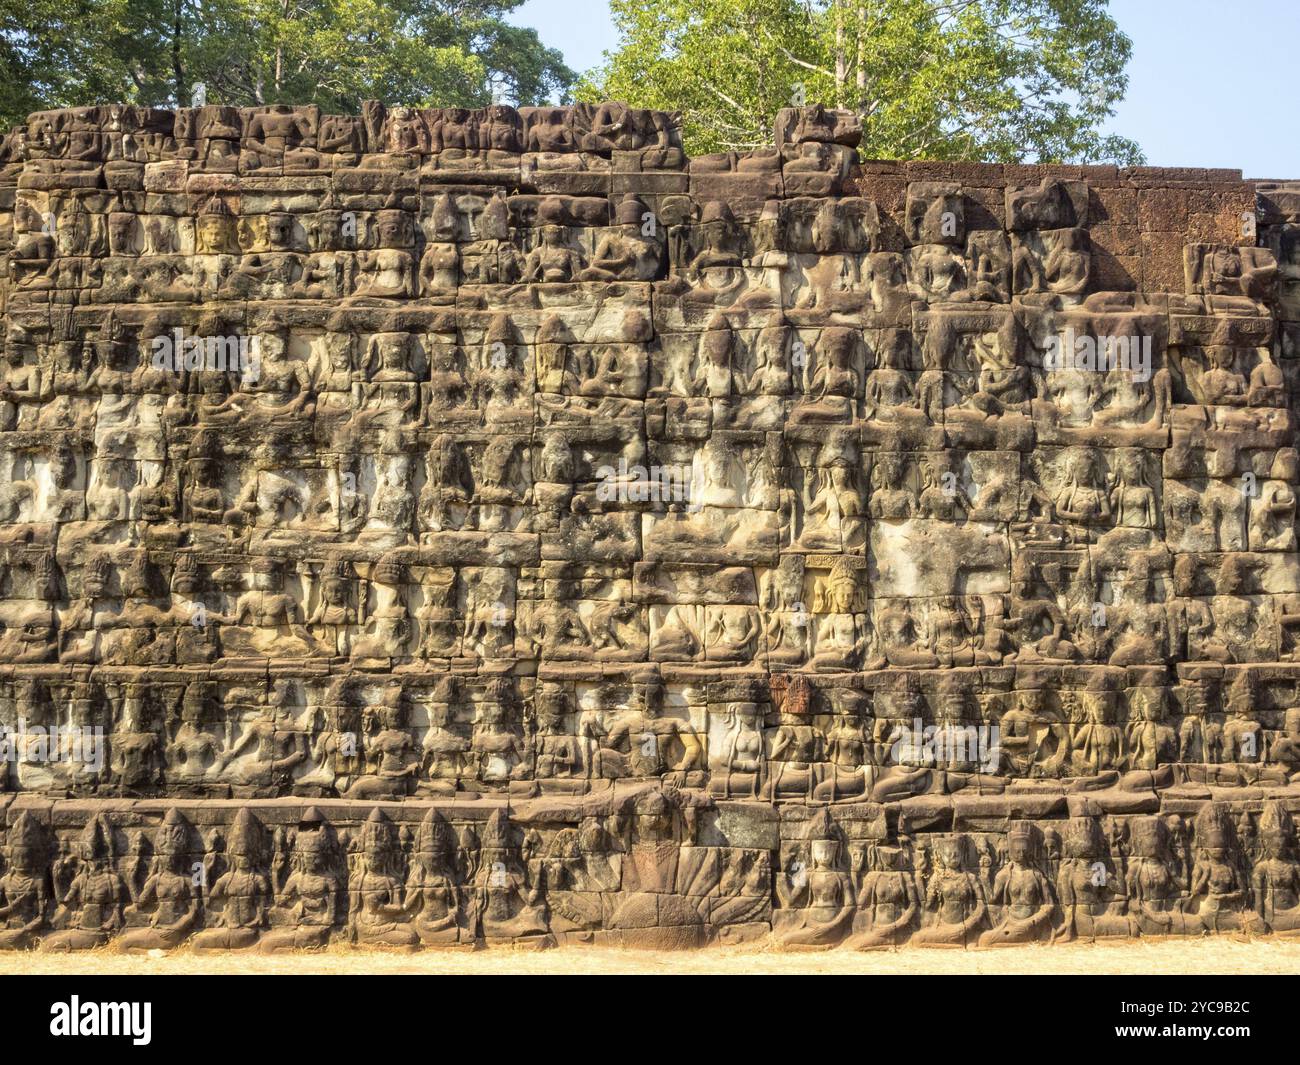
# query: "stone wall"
437,527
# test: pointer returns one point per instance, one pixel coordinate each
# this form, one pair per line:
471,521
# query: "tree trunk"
178,70
862,55
279,52
840,69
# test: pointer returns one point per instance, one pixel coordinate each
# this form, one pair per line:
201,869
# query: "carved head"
215,231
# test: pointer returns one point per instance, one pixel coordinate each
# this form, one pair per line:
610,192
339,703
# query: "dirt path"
1222,955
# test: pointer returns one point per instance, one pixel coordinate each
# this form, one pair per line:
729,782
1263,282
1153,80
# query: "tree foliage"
336,53
999,80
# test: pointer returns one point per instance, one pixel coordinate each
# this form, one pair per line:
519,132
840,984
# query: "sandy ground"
1206,956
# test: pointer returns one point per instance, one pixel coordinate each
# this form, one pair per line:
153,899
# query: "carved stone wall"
437,527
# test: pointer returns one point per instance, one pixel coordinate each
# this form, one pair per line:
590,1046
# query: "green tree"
66,52
336,53
998,80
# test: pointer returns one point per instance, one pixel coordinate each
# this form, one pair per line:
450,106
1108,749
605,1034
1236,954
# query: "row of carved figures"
396,261
511,483
641,874
991,362
844,630
296,136
135,738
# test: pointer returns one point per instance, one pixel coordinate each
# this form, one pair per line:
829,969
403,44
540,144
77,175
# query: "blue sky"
1209,83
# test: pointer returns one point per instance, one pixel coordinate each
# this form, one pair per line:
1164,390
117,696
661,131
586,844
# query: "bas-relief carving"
545,538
